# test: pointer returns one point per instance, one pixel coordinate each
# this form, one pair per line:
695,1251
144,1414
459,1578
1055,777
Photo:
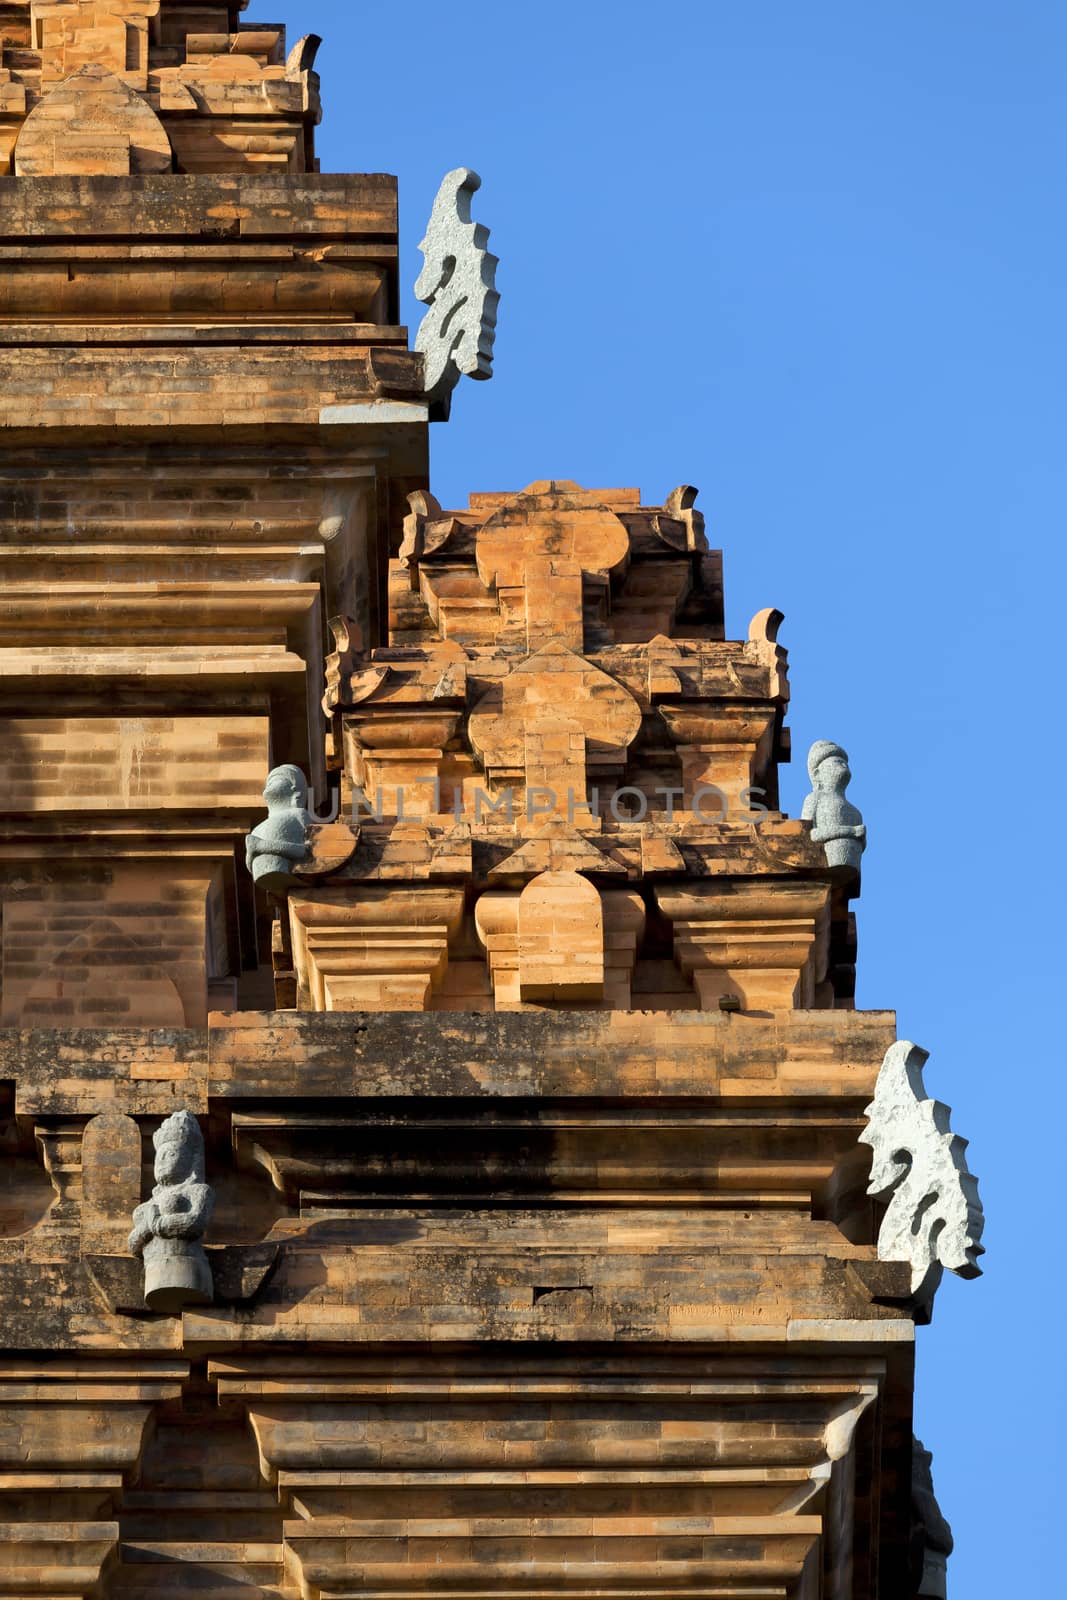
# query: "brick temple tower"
479,1182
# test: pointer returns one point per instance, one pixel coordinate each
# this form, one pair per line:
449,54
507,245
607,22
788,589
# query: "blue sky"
812,258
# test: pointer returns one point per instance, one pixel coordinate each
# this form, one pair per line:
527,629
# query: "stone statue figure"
279,843
167,1229
931,1534
934,1217
458,283
837,824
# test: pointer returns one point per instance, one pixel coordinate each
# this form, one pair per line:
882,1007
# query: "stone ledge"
212,206
815,1056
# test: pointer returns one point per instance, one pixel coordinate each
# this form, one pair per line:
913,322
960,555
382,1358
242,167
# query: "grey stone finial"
458,283
280,843
837,824
168,1229
932,1533
935,1217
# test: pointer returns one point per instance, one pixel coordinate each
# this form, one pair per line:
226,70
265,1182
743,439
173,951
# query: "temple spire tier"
558,729
438,1148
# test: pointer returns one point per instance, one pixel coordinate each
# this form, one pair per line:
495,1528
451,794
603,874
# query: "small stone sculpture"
837,824
278,844
167,1229
458,283
932,1534
935,1217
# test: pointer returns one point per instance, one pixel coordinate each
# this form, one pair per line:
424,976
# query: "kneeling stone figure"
280,842
836,823
168,1228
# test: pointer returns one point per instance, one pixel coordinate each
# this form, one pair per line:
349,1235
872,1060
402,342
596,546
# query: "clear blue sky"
813,257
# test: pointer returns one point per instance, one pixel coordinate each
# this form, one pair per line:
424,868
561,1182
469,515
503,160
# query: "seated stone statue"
279,843
168,1229
931,1535
837,824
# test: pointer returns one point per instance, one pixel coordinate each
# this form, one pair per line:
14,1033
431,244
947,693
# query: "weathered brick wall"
177,522
542,1258
551,1295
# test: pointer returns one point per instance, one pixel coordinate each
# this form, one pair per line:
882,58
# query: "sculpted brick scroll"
934,1218
763,647
553,725
538,551
93,122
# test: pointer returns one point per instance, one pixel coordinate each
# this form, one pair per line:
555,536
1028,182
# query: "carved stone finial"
931,1533
935,1216
301,57
837,824
458,283
168,1229
280,843
681,505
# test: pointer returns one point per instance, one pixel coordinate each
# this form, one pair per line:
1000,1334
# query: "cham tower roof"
471,1177
125,87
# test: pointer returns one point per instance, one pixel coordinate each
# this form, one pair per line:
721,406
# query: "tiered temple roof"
479,1182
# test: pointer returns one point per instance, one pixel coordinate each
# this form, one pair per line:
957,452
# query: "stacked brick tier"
211,423
581,1303
561,781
